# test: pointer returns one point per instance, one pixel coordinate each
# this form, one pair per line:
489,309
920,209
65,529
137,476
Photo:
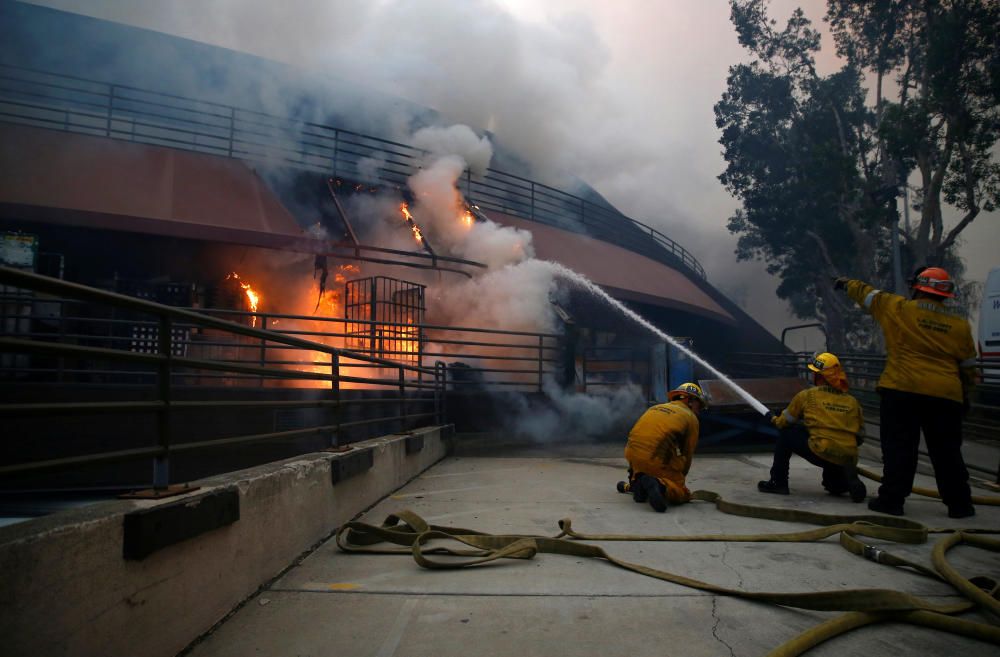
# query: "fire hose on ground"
862,607
930,492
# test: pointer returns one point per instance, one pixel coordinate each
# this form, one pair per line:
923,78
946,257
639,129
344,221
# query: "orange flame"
405,209
467,219
253,298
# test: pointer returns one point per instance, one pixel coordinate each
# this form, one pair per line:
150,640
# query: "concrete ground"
332,603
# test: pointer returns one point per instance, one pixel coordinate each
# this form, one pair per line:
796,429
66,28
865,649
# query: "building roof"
623,273
75,179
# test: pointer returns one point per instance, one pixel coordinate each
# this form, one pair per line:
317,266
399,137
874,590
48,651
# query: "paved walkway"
376,606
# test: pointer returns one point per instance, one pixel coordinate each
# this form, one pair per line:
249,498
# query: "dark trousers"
795,440
903,415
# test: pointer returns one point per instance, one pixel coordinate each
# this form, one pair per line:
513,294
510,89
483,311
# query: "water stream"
588,285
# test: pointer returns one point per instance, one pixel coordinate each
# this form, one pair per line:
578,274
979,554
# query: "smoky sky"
618,94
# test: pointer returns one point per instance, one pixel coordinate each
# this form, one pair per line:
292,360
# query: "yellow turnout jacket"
930,350
833,419
662,444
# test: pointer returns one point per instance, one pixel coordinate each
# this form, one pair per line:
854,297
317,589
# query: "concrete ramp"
350,605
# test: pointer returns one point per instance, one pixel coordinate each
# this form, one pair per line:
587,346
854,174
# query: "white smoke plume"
457,140
514,298
439,204
571,414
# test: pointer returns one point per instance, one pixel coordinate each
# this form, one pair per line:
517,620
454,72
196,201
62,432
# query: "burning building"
157,167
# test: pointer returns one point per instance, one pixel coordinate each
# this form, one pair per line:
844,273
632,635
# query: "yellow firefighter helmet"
824,362
685,390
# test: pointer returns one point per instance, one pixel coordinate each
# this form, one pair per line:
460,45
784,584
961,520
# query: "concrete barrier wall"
67,590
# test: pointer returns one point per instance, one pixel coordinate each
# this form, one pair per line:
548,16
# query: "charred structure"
194,193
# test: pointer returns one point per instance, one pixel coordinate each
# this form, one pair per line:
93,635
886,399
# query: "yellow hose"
930,492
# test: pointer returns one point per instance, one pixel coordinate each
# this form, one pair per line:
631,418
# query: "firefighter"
824,425
925,385
660,448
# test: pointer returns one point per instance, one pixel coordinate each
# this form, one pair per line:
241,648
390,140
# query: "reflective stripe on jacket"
930,350
833,419
662,444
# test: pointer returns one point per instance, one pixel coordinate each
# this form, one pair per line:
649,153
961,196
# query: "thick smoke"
618,96
457,140
575,415
439,204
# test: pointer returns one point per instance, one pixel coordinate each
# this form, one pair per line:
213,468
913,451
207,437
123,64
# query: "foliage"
942,58
817,166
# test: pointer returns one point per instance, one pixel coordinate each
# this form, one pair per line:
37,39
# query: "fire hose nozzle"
872,553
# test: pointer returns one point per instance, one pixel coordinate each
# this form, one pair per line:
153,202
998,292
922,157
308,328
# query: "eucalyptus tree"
936,70
817,161
798,147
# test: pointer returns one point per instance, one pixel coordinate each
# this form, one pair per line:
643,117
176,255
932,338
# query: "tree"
944,123
817,168
798,147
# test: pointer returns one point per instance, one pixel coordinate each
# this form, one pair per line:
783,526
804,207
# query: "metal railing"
161,366
49,100
473,357
863,372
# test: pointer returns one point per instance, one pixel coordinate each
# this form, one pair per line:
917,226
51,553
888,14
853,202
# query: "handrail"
164,364
142,115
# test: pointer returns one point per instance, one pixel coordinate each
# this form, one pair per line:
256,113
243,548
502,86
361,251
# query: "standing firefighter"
660,448
823,425
925,386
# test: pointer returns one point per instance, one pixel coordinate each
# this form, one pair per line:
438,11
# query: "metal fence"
158,357
48,100
72,351
863,370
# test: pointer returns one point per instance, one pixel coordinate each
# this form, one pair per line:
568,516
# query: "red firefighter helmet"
934,280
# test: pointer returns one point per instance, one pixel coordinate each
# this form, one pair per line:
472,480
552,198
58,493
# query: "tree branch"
823,251
970,200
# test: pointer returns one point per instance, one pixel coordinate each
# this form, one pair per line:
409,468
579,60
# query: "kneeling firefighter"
824,425
660,448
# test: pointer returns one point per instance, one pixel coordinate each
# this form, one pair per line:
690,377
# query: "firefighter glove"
840,283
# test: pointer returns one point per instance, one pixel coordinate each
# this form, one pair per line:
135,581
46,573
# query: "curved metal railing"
61,102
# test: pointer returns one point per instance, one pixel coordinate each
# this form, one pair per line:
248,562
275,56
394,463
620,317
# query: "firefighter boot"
771,486
652,492
882,506
638,490
962,511
855,486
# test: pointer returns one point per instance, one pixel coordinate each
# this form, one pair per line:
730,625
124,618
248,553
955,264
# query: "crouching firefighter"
660,448
824,425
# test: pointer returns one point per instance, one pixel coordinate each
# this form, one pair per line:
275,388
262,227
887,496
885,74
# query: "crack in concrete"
715,625
739,575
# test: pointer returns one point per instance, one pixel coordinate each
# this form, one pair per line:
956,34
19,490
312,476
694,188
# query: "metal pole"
111,98
335,384
232,129
263,350
161,463
402,400
336,150
440,392
338,409
372,309
541,354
